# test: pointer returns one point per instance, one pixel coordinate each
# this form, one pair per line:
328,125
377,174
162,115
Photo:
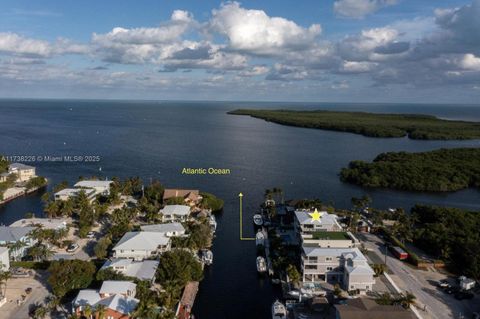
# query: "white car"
90,234
71,248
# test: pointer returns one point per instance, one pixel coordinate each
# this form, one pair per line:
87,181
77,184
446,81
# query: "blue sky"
341,50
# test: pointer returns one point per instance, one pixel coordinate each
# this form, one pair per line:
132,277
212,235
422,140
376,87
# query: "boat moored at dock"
278,310
261,264
258,220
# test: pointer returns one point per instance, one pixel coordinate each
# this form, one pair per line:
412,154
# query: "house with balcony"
23,172
345,266
117,297
99,187
178,213
329,239
18,240
141,245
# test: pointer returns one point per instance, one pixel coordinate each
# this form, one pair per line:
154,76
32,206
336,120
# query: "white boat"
257,219
260,238
261,264
213,223
207,257
278,310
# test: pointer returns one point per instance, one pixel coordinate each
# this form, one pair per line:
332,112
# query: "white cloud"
470,62
12,43
359,8
253,31
357,67
254,71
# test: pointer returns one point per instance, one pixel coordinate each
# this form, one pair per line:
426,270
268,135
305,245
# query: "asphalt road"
422,284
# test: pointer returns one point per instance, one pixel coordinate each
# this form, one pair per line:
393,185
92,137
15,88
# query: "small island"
415,126
436,171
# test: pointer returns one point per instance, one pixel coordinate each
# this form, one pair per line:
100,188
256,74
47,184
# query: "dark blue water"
157,139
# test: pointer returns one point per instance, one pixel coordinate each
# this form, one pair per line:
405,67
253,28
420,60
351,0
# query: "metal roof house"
141,245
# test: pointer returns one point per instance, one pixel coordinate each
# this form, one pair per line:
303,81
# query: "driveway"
421,283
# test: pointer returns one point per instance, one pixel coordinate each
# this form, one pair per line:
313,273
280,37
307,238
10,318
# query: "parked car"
461,295
72,247
90,234
444,284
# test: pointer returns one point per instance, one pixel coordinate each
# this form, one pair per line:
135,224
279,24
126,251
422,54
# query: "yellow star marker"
315,215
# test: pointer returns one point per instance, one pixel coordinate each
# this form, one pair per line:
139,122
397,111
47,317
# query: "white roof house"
141,245
46,223
121,304
305,223
68,193
175,212
11,235
23,172
100,187
142,270
117,287
169,229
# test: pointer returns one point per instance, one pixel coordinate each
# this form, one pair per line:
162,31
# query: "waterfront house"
141,245
22,171
191,197
304,223
359,308
4,259
175,213
17,239
45,223
346,266
70,193
142,270
116,296
4,177
99,187
168,229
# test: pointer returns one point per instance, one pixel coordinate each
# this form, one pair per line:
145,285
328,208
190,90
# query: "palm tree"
407,299
100,311
87,311
4,276
40,312
379,269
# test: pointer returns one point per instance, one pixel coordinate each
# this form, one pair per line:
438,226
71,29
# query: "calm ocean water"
156,140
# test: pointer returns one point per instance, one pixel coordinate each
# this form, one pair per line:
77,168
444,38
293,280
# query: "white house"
175,213
346,266
304,222
45,223
142,270
117,287
69,193
100,187
141,245
168,229
18,237
4,259
22,171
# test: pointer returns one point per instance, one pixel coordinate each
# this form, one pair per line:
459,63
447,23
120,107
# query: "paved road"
422,284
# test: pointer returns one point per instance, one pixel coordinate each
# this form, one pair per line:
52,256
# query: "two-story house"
18,239
22,171
141,245
177,213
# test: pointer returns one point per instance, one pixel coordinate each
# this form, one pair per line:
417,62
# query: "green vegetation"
36,182
405,299
415,126
293,274
333,235
209,201
177,267
450,234
3,164
440,170
101,247
68,275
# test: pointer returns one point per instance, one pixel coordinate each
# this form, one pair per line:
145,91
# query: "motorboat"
278,310
258,220
212,222
260,238
261,264
207,257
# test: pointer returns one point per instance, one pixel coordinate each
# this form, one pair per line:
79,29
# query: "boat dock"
185,305
267,251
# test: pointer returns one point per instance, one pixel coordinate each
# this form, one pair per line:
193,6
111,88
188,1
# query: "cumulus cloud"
359,8
253,31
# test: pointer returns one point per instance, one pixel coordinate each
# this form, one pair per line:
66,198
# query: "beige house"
22,171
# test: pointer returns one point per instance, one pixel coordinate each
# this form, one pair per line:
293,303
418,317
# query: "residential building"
4,259
45,223
142,270
117,287
191,197
305,224
168,229
116,296
175,213
4,177
100,187
70,193
141,245
346,266
360,308
22,171
18,239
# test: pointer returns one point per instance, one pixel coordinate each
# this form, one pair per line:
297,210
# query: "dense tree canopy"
415,126
177,267
67,275
440,170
